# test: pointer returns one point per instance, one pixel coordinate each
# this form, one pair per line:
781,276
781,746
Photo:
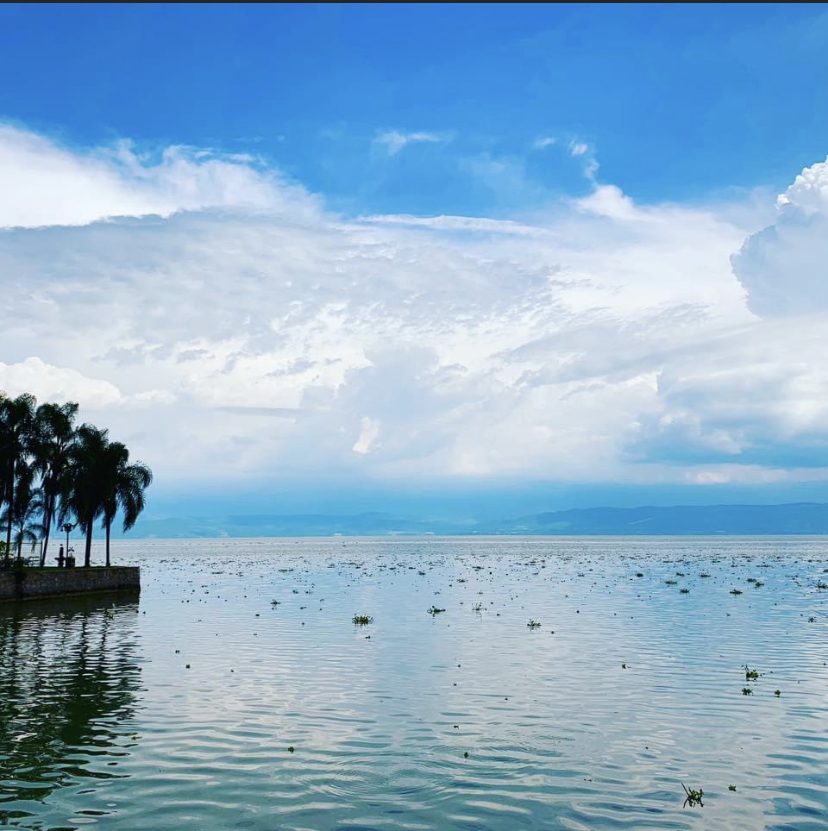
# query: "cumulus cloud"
253,331
369,430
55,383
784,267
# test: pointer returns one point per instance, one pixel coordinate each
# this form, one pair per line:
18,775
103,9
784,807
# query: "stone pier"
34,583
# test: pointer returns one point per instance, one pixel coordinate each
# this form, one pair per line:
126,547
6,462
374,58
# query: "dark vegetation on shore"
54,473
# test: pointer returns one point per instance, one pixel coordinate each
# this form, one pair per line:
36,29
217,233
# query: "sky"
406,257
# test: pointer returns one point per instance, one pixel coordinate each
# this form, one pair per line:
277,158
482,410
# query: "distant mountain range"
795,518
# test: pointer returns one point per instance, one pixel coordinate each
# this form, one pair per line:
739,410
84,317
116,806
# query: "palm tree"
25,511
16,423
51,448
84,487
124,489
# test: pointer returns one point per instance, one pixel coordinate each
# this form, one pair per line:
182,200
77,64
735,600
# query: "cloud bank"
226,324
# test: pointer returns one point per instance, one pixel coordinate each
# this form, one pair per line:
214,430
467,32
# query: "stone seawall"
57,582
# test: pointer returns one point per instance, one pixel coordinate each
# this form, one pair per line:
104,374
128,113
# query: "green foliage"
49,470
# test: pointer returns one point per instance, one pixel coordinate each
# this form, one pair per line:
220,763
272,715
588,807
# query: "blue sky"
385,254
680,101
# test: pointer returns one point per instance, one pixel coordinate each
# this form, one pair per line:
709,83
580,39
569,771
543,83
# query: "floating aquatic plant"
534,624
693,797
735,591
435,611
363,620
751,674
747,691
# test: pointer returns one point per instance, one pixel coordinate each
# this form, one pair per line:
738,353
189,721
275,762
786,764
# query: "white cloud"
784,267
578,148
544,142
46,184
394,140
55,383
368,433
599,340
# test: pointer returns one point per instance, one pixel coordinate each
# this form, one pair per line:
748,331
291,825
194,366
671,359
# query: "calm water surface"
177,711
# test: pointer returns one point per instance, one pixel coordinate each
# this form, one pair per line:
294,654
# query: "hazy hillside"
797,518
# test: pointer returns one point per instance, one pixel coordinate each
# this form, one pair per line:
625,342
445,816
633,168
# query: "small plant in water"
363,620
435,611
639,574
670,582
751,674
731,787
735,591
822,585
747,691
693,797
685,591
478,607
777,693
534,624
704,574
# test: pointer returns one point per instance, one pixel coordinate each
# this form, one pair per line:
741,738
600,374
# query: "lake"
239,693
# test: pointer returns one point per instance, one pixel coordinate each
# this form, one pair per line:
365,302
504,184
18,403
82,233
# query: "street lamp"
67,527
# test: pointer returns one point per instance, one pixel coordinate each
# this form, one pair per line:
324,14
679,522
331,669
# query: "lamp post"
67,527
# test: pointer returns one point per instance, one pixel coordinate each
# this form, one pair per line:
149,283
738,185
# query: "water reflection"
69,686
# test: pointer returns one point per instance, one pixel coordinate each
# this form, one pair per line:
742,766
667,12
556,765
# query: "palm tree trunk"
11,512
48,523
87,558
108,526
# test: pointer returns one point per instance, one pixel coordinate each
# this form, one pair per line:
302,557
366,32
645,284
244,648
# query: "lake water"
178,711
